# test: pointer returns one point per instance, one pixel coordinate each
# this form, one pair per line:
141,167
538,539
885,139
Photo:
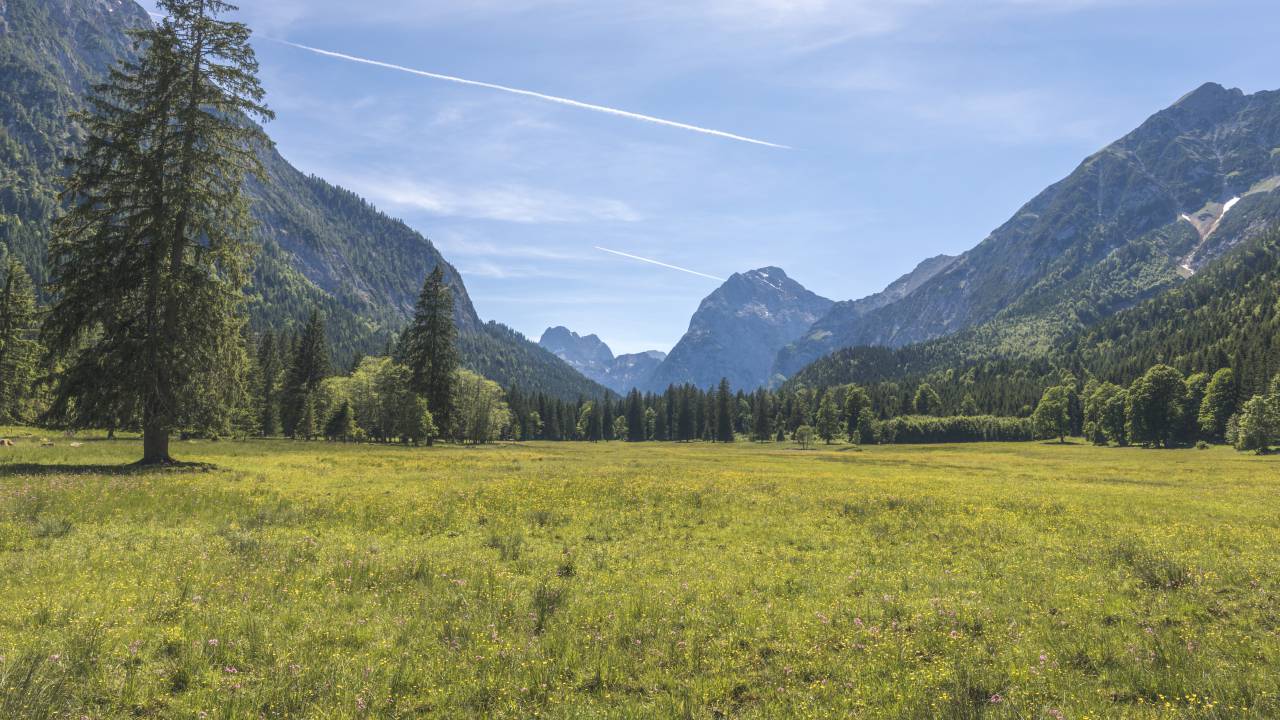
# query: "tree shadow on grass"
46,469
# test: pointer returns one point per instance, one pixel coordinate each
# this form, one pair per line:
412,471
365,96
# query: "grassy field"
639,581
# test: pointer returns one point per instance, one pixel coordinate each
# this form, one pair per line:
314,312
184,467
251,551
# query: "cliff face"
738,330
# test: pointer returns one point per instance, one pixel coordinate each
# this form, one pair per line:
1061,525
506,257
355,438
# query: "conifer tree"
724,412
685,418
268,390
306,428
828,417
18,348
661,430
607,419
151,259
342,425
761,425
308,368
636,429
429,349
856,400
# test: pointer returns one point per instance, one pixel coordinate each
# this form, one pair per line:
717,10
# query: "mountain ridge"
322,247
1109,234
592,357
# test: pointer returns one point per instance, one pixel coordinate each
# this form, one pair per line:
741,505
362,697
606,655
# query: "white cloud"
508,203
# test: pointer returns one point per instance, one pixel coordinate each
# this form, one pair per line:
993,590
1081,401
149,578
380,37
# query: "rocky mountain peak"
739,328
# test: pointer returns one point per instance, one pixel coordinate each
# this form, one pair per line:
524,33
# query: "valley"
261,456
628,580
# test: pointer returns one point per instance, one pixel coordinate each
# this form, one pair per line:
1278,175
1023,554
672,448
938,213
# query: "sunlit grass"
638,581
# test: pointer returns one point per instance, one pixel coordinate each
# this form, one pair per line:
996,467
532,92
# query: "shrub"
913,429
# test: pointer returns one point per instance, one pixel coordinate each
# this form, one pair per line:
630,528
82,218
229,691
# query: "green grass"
639,581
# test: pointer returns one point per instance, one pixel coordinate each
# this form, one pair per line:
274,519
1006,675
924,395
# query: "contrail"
538,95
655,262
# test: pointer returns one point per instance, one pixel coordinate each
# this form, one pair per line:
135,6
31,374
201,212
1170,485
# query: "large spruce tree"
429,347
308,368
724,412
268,384
150,262
18,347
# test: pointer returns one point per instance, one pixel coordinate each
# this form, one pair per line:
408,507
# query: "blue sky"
915,127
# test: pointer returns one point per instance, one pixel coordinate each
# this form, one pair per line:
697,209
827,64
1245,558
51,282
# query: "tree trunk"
155,446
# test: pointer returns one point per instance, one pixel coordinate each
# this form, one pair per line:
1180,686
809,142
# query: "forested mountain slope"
322,246
1226,315
1160,204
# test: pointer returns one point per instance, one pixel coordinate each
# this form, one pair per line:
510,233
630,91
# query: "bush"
919,429
804,436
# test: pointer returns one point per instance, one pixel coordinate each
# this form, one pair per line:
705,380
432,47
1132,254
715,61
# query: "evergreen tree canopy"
308,368
18,347
724,412
429,348
150,261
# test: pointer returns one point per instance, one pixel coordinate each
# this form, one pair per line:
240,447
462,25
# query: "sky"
841,140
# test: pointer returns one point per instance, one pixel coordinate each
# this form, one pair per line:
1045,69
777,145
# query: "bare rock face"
739,329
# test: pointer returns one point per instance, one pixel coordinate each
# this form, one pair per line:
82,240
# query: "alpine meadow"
261,456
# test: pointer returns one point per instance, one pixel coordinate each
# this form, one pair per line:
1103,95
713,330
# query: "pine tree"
429,349
761,425
685,417
856,400
18,348
309,367
268,390
607,420
636,429
342,426
150,261
828,417
661,430
724,412
306,428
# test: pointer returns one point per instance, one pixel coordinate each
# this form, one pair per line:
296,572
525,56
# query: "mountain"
739,329
321,246
826,328
1225,315
590,356
1134,219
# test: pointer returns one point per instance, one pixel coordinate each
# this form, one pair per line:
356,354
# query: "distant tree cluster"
1161,408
